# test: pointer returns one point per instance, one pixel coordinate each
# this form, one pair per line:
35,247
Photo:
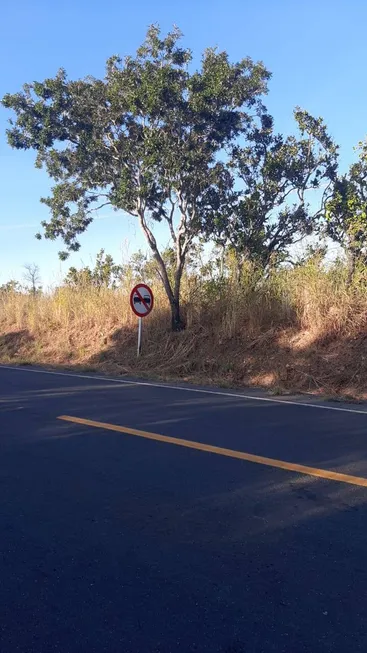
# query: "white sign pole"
140,329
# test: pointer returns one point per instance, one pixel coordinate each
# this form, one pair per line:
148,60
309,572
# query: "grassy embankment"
301,329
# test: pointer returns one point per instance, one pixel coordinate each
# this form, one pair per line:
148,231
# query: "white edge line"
150,384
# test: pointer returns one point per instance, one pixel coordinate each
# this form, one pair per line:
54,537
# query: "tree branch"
169,219
97,208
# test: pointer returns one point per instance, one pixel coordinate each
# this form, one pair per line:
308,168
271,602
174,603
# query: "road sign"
141,300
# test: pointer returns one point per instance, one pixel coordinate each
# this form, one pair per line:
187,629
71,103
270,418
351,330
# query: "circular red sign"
141,300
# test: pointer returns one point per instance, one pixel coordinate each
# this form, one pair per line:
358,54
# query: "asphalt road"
126,544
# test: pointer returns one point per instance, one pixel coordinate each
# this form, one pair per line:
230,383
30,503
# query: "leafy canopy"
147,139
268,208
142,138
346,210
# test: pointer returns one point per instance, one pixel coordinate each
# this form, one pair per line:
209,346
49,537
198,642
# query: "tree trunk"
173,294
352,261
177,322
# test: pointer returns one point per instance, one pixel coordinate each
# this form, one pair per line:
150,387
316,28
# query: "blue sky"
316,50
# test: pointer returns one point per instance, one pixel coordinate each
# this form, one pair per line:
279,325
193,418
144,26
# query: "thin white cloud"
13,227
35,225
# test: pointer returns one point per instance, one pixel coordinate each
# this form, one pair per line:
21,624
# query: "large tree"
147,139
268,207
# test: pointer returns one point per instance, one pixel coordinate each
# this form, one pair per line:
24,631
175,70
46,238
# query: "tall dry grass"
297,328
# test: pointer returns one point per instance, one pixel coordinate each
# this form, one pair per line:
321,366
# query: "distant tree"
346,212
106,273
313,253
268,209
145,139
144,267
9,287
32,278
140,267
78,278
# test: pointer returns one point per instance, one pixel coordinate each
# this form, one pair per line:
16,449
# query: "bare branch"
97,208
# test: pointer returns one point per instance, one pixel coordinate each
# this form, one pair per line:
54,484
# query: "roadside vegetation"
302,327
194,148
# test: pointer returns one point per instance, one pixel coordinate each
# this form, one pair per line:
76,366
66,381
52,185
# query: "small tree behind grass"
105,273
32,278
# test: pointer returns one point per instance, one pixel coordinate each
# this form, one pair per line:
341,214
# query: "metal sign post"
140,329
141,302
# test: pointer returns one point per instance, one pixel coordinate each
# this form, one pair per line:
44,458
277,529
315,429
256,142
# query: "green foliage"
145,140
314,254
105,274
78,278
142,267
346,211
9,287
271,210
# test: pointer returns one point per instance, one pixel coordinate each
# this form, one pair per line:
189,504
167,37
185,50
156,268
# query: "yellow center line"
240,455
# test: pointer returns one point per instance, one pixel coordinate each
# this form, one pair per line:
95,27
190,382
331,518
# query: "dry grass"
300,329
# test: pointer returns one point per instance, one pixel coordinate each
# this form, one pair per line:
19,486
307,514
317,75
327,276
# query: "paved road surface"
122,543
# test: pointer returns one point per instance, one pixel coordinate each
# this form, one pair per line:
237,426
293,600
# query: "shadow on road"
113,542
